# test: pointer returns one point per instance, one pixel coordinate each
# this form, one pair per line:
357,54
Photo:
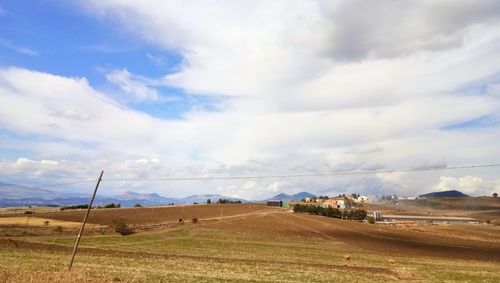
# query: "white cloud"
157,60
392,28
315,87
469,185
132,85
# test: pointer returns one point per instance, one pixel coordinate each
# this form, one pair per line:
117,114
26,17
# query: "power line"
282,176
319,174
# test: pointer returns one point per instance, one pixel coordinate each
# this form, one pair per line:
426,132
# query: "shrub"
46,222
195,220
223,200
122,227
137,205
371,220
113,205
80,206
28,212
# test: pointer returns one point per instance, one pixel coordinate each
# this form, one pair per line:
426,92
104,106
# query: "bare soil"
154,215
480,241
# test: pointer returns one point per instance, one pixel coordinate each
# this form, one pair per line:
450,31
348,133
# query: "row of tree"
85,206
223,200
351,214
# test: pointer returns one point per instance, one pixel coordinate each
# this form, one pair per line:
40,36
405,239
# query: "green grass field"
194,253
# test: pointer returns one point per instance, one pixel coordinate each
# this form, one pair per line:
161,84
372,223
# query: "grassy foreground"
194,253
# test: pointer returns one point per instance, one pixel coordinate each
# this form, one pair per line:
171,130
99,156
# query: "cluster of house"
340,202
396,197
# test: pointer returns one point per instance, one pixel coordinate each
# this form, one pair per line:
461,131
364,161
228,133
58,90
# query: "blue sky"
55,37
185,88
67,42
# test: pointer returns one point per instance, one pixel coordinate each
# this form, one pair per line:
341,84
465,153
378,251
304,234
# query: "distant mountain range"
444,194
295,197
15,195
12,191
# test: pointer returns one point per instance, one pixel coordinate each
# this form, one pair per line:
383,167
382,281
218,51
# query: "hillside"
13,191
444,194
15,195
295,197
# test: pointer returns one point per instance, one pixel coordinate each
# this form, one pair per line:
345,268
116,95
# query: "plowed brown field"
255,243
456,241
152,215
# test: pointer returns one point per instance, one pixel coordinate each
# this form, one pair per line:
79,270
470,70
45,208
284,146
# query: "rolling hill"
16,195
295,197
444,194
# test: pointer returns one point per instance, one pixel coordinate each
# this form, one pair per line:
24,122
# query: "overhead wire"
300,175
278,176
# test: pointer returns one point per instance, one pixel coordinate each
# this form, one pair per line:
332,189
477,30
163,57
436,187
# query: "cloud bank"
307,86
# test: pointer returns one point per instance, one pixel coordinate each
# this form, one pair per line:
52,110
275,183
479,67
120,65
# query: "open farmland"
255,243
155,215
481,208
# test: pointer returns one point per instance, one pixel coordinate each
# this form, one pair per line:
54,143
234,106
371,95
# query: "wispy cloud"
132,85
18,48
157,60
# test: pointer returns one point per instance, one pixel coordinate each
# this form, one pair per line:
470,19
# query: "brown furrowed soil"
154,215
466,241
462,241
253,243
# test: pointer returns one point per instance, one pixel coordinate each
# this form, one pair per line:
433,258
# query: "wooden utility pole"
84,221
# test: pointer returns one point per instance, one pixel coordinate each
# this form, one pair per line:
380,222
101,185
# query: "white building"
335,203
341,203
361,199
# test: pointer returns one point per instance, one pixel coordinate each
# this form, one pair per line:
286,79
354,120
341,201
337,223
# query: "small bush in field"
371,220
195,220
122,227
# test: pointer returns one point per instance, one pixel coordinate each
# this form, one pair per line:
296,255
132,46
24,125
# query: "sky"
162,89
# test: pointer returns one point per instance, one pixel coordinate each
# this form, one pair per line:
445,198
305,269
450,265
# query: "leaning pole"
83,222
